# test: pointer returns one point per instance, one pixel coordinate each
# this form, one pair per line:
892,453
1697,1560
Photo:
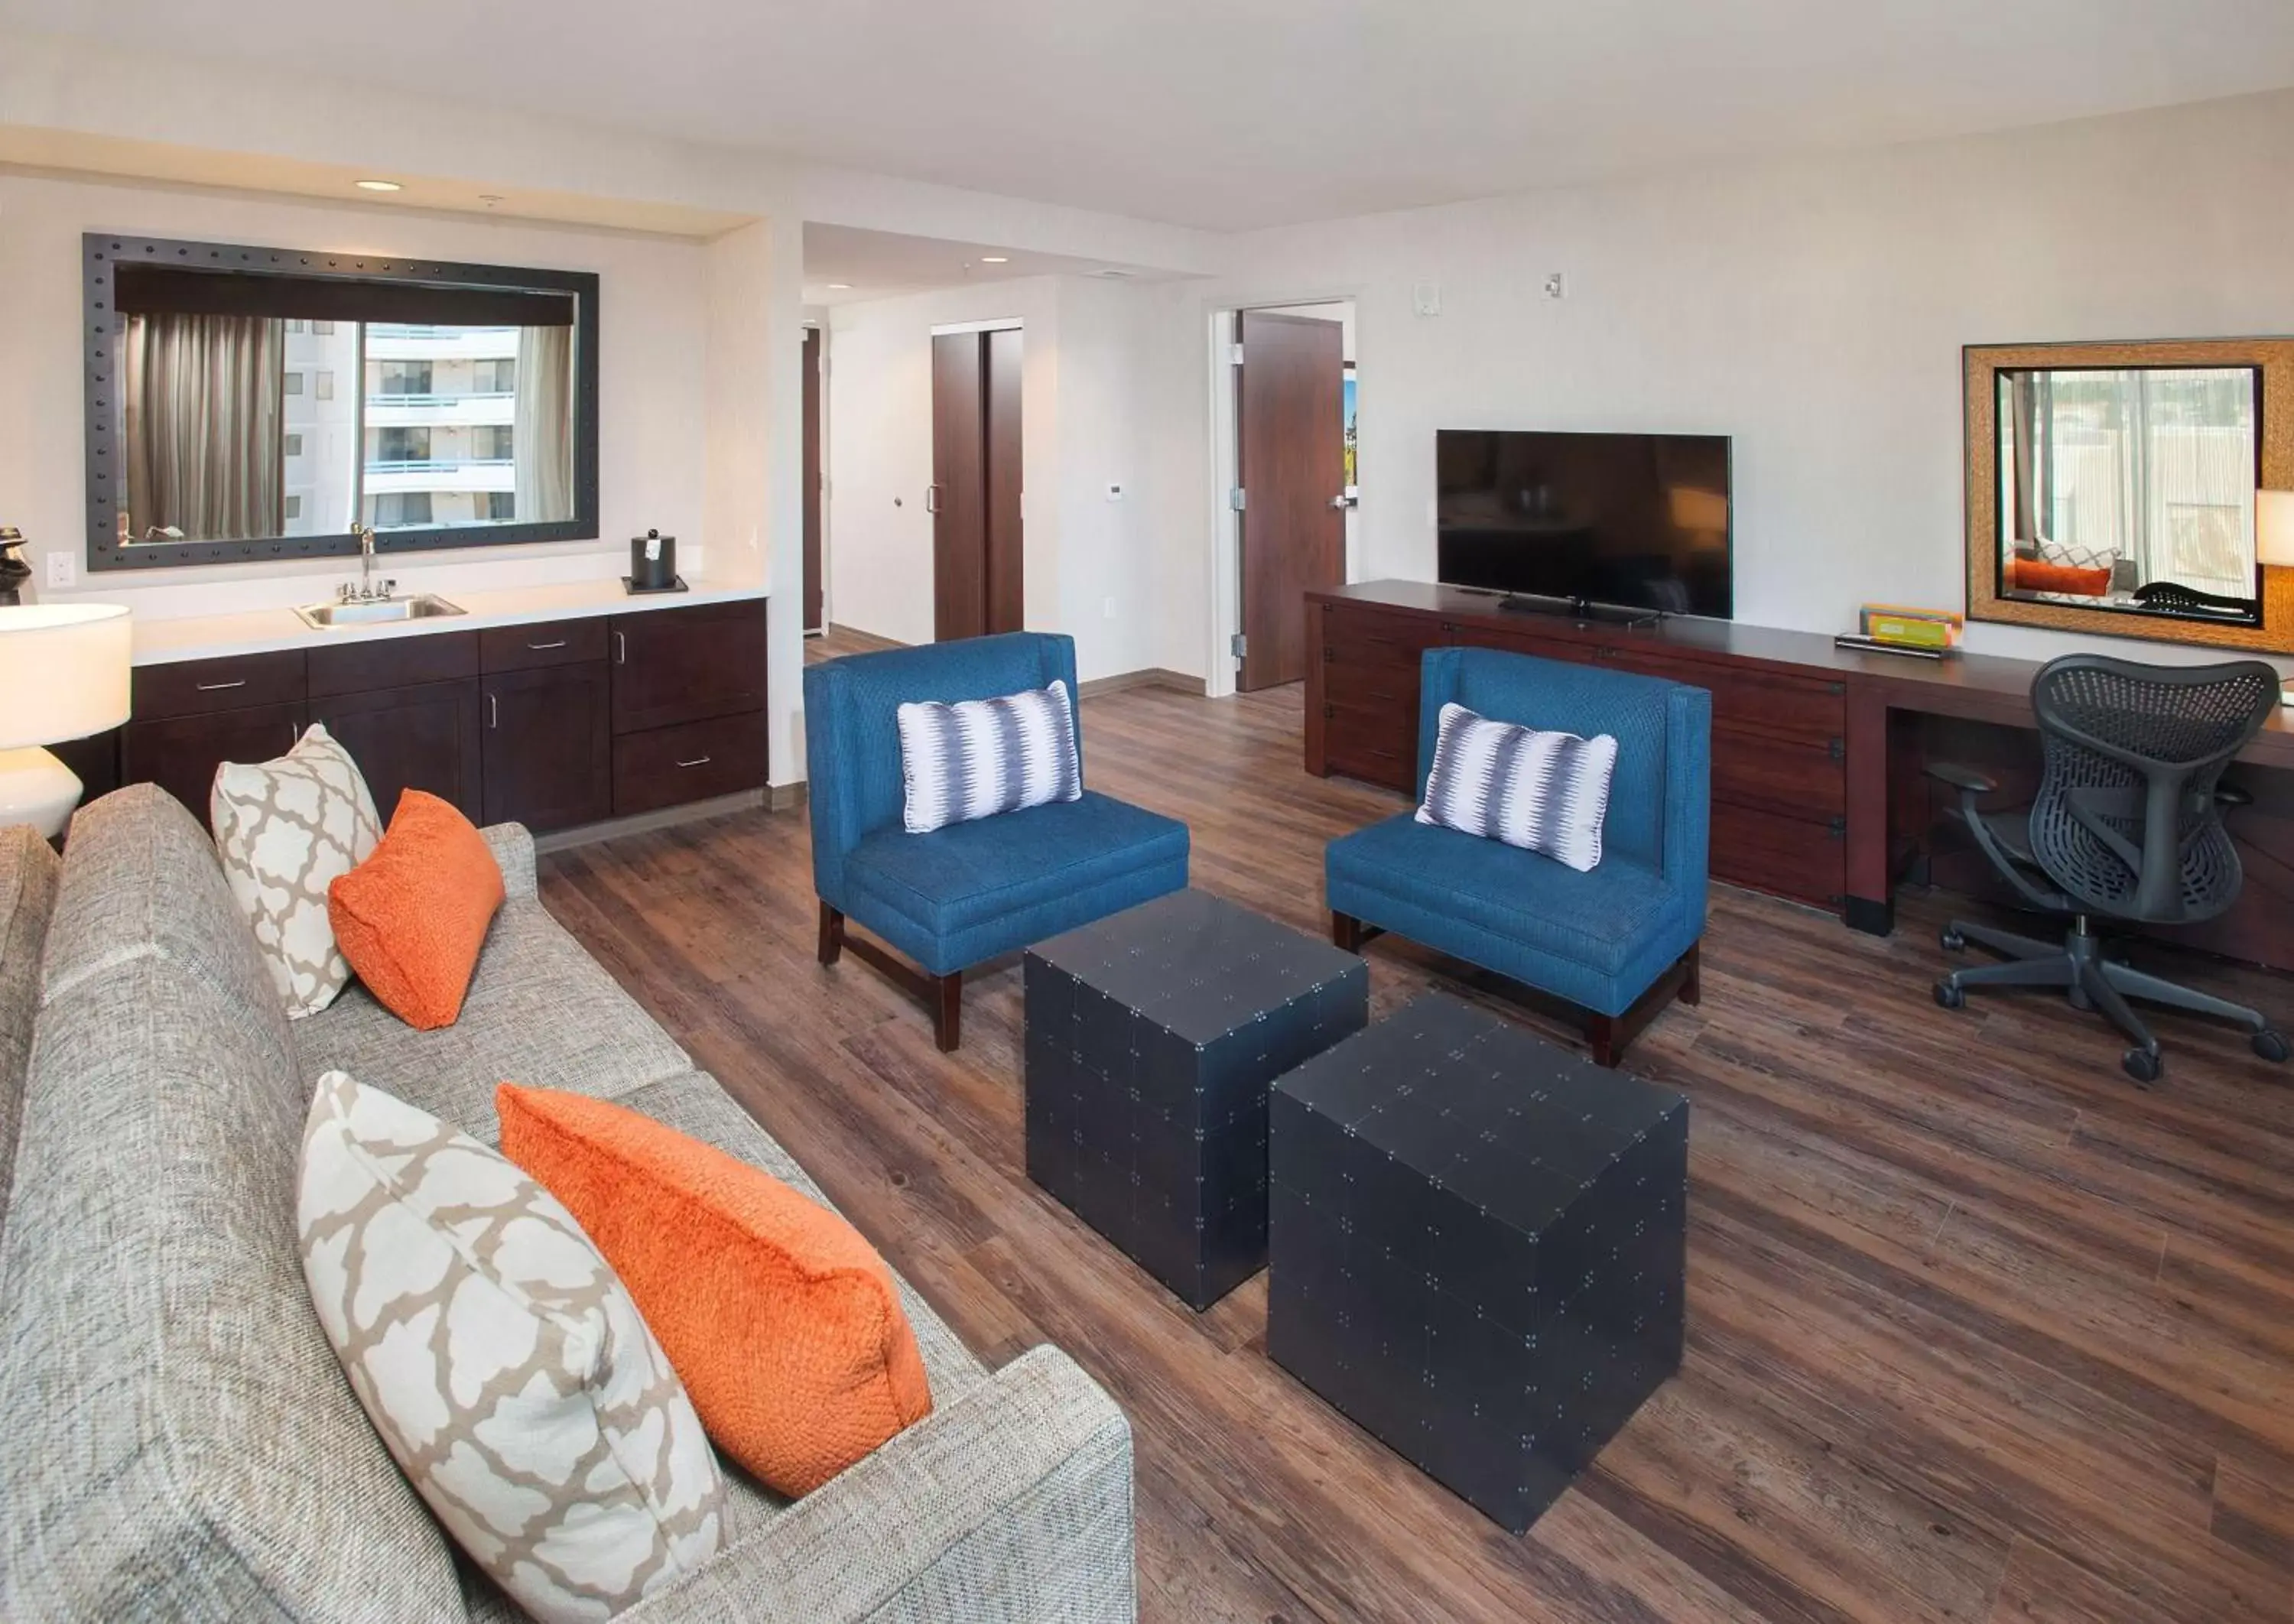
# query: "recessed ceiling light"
379,186
995,259
839,287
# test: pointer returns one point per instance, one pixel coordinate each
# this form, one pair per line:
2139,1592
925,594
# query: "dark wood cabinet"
552,723
423,737
685,665
181,753
548,751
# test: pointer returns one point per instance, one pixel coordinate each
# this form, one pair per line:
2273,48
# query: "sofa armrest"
513,849
1012,1503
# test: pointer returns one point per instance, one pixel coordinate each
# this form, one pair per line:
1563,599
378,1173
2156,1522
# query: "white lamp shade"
2274,528
63,671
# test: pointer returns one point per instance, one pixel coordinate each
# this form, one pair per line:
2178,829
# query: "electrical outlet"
1114,490
1107,611
1426,298
63,571
1557,285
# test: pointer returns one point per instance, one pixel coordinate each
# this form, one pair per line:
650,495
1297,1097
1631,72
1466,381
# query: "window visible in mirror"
294,383
2129,488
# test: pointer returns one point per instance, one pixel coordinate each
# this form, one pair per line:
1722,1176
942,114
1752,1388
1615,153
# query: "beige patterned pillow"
501,1359
285,830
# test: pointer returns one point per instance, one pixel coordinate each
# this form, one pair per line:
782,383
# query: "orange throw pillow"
412,918
780,1319
2038,575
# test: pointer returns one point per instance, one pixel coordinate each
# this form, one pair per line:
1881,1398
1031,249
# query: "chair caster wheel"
1952,940
1949,996
2142,1065
2270,1043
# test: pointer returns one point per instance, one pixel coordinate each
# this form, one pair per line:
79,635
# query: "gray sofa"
179,1440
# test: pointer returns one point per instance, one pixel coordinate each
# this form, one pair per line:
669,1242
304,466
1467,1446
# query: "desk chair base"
2091,979
941,996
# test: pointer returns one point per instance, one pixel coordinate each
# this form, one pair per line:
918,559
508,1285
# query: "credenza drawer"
1786,857
1351,637
1746,697
668,767
1373,687
1377,744
195,687
372,663
1798,777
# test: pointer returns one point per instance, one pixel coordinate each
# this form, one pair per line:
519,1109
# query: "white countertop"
257,631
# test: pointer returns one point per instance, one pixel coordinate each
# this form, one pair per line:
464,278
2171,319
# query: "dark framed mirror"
2112,488
247,403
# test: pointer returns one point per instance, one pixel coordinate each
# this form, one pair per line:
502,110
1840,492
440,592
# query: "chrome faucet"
364,592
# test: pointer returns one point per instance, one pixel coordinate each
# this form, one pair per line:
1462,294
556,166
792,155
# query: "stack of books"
1890,629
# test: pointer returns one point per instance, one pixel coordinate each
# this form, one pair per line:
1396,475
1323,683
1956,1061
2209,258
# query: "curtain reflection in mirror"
203,397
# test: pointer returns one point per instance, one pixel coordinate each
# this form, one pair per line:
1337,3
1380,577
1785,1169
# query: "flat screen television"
1639,522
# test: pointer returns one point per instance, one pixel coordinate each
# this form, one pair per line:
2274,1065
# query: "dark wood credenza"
1819,791
551,723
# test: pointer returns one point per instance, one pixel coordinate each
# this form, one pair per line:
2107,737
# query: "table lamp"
2274,549
63,675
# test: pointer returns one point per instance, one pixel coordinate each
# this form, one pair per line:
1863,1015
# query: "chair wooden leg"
832,934
1345,931
1608,1037
948,1011
1692,987
1601,1035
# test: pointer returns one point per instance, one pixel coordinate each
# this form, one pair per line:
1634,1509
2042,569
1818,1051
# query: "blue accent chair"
959,896
1618,942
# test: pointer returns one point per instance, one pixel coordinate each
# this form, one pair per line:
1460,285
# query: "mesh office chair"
2127,825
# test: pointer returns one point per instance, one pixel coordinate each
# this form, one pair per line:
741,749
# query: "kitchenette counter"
254,631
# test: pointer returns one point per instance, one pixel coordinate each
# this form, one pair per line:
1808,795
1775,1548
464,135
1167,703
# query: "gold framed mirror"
2111,488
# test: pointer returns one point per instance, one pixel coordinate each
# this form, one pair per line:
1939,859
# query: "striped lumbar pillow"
986,756
1543,791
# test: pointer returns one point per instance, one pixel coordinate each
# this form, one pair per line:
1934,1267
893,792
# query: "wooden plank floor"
1977,1330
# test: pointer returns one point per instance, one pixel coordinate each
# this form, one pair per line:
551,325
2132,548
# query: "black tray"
677,584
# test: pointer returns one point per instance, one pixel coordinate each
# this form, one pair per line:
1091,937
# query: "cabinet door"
181,753
424,737
548,755
686,665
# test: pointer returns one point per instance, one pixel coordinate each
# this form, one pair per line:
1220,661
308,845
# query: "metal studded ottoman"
1151,1037
1477,1247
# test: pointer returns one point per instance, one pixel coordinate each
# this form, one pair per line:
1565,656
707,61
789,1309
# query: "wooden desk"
1819,791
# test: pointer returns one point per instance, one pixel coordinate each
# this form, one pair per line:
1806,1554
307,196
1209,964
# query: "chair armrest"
513,849
1014,1502
1965,779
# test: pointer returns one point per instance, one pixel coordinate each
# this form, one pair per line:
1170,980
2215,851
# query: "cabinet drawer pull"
621,649
540,648
494,710
696,761
217,687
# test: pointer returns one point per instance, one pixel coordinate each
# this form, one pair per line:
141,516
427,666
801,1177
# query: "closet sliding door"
977,584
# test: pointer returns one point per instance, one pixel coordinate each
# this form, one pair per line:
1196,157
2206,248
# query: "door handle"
1342,501
696,761
931,499
539,647
217,687
621,649
494,710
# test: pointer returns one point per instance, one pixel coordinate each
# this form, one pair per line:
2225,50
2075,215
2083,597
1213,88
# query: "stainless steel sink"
422,607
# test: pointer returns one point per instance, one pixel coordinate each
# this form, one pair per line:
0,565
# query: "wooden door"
683,665
423,737
1291,462
815,607
181,753
958,498
549,761
1006,590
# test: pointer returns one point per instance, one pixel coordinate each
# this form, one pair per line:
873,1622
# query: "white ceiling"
1230,114
878,265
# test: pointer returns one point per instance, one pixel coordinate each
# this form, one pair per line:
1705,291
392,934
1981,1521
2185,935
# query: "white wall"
652,348
1814,310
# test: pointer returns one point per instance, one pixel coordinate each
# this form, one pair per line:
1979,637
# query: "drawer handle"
696,761
539,647
217,687
494,710
621,649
